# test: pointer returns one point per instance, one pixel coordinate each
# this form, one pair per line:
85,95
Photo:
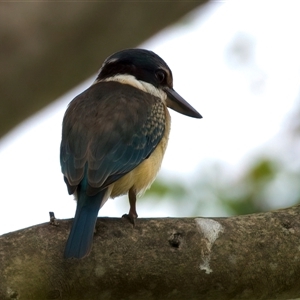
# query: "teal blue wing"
108,130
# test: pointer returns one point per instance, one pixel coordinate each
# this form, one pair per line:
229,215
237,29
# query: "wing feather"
106,134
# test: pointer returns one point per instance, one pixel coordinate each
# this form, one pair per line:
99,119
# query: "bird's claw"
131,218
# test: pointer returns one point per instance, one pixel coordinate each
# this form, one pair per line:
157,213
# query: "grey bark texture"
49,47
246,257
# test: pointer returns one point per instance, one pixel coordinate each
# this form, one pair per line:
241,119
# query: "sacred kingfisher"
114,137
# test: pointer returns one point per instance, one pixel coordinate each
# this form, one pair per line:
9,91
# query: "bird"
114,136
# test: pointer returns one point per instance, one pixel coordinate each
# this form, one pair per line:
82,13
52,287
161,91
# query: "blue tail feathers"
80,240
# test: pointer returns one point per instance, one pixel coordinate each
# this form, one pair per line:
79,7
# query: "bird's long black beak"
176,102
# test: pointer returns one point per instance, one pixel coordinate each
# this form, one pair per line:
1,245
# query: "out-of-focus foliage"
247,194
269,181
267,184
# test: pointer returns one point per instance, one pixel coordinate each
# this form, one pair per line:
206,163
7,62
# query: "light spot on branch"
210,230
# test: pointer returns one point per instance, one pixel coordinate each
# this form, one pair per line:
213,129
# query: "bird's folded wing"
108,130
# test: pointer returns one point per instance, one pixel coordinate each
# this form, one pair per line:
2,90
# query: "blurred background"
236,62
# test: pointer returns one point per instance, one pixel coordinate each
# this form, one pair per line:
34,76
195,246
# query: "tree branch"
47,48
246,257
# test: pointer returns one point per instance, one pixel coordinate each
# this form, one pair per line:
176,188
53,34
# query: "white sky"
244,106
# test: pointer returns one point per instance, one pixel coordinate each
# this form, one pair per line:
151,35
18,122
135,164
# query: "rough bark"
48,47
246,257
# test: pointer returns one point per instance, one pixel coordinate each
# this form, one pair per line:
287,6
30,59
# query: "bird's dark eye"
161,75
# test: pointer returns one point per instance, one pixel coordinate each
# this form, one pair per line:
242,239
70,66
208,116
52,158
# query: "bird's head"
145,70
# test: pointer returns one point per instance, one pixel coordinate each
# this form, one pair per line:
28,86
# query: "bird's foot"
131,218
132,215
